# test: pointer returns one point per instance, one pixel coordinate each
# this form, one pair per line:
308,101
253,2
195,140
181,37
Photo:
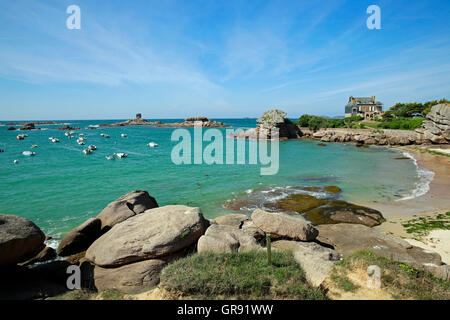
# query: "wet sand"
434,202
436,199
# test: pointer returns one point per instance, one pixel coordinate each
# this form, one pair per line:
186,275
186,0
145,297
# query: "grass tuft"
246,275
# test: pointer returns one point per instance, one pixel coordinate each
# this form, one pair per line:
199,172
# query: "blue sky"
172,59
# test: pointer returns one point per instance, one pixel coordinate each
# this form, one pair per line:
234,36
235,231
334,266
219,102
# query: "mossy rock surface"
300,203
343,212
332,189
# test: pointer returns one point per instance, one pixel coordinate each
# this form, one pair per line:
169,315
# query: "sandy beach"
435,201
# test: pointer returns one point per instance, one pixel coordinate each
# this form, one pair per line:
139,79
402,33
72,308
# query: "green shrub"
246,275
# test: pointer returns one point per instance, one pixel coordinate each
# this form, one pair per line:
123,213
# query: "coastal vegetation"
423,225
247,275
404,116
398,280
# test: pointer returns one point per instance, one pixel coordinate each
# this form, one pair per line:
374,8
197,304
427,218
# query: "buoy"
123,135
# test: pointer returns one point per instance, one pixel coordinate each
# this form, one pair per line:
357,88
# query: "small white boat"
110,157
67,134
16,161
54,140
28,153
152,144
121,155
81,143
123,135
87,151
51,138
105,135
34,146
71,133
81,134
92,147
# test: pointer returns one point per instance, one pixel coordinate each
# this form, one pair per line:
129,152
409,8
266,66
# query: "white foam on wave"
423,185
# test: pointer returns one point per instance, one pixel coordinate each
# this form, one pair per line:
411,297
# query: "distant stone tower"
138,116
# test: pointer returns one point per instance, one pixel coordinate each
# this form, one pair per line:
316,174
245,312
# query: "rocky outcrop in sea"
273,124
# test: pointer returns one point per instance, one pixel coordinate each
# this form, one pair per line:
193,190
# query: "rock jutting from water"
273,124
317,204
188,122
138,121
200,121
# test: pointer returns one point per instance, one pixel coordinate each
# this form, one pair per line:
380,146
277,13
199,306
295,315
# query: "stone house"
366,107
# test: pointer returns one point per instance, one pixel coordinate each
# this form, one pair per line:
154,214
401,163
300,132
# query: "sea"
60,187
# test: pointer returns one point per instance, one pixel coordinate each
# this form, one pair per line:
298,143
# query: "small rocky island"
192,121
271,120
138,121
188,122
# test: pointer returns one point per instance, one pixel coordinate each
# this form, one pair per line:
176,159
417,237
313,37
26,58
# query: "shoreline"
437,198
434,202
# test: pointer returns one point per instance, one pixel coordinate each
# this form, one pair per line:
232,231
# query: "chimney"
373,99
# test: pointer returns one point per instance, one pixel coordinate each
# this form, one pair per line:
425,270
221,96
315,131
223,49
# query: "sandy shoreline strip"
436,199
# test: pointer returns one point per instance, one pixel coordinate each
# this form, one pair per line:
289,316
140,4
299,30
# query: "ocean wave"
423,185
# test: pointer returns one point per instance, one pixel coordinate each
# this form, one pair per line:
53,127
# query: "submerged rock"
343,212
300,203
20,239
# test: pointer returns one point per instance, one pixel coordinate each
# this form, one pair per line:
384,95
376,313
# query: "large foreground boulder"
226,238
284,225
80,238
46,254
128,205
20,239
349,238
155,233
234,219
129,278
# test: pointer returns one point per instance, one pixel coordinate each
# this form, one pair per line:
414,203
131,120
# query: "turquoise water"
60,187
